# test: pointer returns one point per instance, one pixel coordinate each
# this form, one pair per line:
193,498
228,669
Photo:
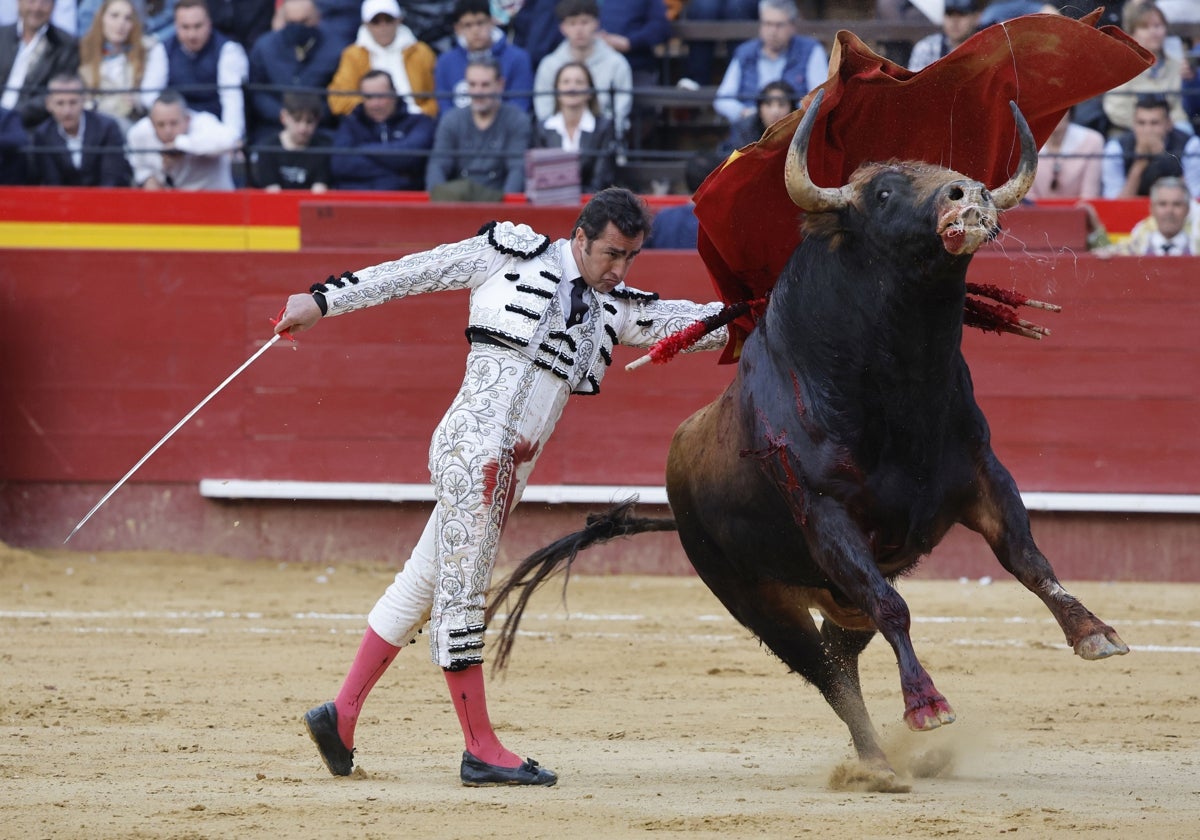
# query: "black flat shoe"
476,773
321,723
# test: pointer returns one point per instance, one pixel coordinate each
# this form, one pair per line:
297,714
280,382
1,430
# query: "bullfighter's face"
605,260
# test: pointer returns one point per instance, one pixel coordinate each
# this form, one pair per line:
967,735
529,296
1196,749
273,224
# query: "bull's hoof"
931,714
1101,646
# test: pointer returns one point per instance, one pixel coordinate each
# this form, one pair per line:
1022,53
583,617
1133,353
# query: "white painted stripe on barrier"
1113,502
352,491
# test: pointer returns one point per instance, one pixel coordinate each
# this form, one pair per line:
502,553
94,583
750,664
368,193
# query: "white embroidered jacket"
513,274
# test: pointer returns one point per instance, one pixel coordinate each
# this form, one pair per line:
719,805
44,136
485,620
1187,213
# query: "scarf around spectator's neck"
403,40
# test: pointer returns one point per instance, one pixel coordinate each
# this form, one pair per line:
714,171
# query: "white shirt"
555,122
206,165
26,53
75,144
570,272
116,74
1176,246
233,68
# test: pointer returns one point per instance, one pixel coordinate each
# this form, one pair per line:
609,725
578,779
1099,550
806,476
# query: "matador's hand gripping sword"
266,346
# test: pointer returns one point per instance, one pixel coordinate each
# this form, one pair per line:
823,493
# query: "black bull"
849,441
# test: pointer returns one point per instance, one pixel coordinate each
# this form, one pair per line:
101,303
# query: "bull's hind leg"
1001,518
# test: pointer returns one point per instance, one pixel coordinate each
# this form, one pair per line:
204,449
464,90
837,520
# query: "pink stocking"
466,690
373,657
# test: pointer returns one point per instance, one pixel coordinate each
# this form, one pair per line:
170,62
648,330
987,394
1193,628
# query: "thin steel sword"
177,427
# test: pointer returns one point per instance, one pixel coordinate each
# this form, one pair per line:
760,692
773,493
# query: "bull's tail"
535,569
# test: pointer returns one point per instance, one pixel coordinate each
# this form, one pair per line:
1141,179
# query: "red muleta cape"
953,113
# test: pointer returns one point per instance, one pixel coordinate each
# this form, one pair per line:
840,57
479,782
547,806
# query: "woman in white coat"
124,68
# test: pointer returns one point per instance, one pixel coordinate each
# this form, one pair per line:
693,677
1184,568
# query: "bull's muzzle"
967,216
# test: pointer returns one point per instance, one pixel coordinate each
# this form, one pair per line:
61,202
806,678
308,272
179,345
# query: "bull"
849,442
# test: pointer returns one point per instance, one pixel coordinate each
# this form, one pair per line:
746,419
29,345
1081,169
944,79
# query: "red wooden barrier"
103,351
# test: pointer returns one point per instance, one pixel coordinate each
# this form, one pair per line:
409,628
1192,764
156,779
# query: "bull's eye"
956,193
883,195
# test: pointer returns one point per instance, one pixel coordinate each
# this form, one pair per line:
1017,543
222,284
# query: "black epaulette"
527,249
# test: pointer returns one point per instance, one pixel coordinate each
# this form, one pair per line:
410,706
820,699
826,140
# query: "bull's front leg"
840,549
1000,517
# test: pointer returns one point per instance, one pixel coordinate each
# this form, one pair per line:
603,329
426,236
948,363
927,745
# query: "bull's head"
967,211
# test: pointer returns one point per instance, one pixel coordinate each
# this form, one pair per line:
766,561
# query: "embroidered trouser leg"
480,458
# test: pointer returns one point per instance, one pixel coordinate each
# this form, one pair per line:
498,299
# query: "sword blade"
266,346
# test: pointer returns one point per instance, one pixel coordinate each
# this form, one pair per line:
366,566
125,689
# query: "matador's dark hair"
623,208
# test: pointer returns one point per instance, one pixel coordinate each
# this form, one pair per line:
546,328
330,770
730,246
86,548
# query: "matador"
544,318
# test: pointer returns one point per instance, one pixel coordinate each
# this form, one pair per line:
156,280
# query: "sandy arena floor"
148,696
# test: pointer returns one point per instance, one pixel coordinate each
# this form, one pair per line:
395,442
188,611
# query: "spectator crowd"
448,96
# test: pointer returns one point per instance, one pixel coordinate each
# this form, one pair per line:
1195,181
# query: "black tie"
1166,248
578,307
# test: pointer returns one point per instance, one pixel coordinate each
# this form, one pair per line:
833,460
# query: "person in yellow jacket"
384,43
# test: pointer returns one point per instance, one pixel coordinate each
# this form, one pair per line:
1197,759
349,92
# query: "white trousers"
480,458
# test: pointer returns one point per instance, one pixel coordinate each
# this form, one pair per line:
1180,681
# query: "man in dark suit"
13,140
73,148
32,51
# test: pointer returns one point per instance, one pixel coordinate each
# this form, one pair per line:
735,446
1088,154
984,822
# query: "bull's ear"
1010,193
804,193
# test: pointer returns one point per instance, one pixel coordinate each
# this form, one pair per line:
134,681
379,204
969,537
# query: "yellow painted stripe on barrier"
148,237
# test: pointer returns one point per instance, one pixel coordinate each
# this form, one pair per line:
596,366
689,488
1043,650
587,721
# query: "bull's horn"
803,192
1011,193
